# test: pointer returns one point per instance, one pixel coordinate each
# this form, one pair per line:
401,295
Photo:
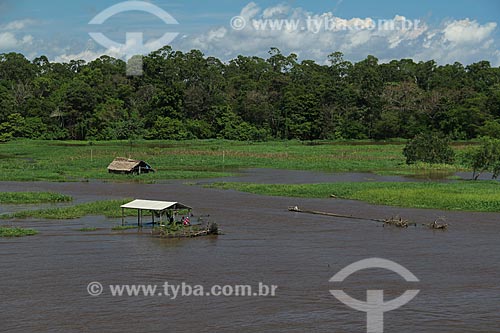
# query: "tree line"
188,95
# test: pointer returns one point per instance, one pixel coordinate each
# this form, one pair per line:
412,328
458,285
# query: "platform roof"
157,206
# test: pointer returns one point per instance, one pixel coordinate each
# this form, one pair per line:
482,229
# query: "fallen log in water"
297,210
397,221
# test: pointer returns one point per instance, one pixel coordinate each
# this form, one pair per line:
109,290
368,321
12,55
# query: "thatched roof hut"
127,166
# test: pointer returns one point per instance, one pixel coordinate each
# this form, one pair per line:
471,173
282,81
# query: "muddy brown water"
44,278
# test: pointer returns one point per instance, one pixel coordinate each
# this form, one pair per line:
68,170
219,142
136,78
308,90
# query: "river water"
44,278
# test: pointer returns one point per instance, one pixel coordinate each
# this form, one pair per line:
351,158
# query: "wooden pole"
123,217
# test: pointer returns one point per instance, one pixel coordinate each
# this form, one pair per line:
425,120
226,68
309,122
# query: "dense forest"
188,95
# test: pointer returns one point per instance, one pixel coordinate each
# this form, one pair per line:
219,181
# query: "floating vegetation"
10,232
192,231
32,197
87,229
110,208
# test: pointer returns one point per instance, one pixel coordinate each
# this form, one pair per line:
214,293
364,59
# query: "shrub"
491,129
429,148
485,158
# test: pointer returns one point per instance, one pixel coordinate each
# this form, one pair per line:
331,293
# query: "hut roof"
154,205
125,164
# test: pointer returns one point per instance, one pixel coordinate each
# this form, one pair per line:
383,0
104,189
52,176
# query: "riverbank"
25,160
479,196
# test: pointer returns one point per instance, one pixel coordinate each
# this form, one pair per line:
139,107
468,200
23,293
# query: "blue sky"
462,30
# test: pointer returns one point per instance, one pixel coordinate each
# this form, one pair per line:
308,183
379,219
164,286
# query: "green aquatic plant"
10,232
87,229
32,197
110,208
481,196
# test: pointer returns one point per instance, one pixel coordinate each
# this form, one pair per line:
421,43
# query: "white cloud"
275,11
134,46
17,25
496,61
11,37
467,31
28,39
213,36
9,41
464,40
250,10
317,35
86,55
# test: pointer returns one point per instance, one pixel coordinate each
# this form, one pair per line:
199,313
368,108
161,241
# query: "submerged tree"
485,158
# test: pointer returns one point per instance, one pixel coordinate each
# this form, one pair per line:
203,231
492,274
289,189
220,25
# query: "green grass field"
79,161
32,197
25,160
481,196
